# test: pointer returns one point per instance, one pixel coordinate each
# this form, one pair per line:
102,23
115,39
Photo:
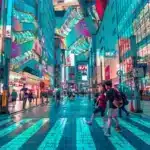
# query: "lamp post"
7,17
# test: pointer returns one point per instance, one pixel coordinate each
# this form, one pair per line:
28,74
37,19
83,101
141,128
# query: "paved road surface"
63,127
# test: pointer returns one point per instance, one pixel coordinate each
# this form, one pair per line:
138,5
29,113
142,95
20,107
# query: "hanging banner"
107,72
82,29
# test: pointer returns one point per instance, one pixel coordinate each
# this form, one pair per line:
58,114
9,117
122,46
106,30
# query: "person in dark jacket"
125,102
30,96
111,95
101,104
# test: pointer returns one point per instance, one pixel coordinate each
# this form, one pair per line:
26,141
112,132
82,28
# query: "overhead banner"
80,29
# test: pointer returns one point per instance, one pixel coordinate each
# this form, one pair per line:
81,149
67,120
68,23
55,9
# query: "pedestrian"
114,102
101,104
25,95
30,96
125,103
58,95
14,96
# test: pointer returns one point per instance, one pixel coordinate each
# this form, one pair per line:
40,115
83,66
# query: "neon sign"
82,67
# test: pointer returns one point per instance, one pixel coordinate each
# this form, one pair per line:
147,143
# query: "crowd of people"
114,101
109,101
25,95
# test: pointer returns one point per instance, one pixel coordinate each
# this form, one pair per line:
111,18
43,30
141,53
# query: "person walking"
14,96
125,102
25,95
101,105
114,102
30,96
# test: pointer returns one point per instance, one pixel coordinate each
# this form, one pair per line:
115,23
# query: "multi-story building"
133,19
123,22
32,43
107,59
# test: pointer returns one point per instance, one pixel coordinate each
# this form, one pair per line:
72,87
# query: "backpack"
124,98
117,102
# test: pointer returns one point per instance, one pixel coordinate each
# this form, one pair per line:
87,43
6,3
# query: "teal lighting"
81,45
145,137
5,121
23,37
54,136
23,17
71,20
84,138
118,141
141,121
17,142
13,127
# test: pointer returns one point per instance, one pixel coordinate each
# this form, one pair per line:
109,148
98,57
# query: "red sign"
107,72
124,46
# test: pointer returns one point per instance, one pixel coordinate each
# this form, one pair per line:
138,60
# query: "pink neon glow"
100,7
15,50
82,28
16,24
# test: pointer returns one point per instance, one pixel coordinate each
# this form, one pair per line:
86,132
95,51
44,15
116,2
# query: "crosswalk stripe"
84,139
17,142
5,121
141,121
136,131
118,141
13,127
53,138
4,117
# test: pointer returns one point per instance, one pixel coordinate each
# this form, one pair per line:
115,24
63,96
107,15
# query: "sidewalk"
19,105
145,106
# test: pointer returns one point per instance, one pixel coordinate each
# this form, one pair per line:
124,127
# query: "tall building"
124,34
31,30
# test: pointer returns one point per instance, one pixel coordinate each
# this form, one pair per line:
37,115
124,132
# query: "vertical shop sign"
107,72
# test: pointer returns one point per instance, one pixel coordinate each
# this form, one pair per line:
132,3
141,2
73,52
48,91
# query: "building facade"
122,21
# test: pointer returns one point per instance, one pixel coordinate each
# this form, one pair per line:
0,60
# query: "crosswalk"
85,135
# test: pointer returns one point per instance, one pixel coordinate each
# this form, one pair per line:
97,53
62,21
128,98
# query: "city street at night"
74,74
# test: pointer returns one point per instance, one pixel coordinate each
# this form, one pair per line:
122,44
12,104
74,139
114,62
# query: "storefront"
17,80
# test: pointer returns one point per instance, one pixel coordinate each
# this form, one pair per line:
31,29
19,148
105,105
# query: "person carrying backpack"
114,102
125,102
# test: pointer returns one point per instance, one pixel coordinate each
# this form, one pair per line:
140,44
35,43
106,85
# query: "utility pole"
7,17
